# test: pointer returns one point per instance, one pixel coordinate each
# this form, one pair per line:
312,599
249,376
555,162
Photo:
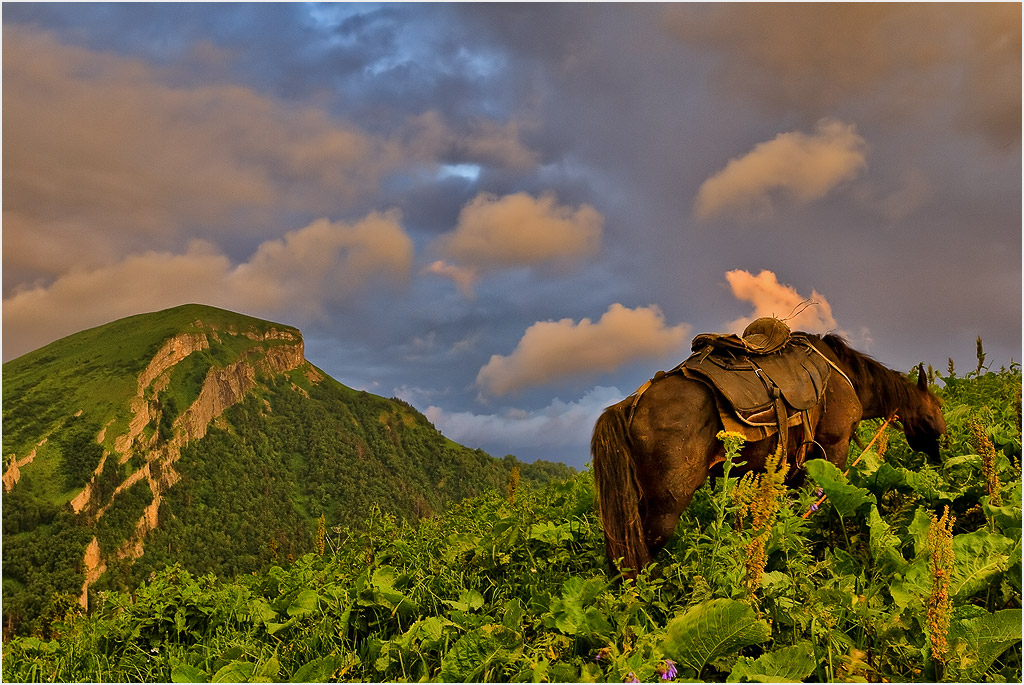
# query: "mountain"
204,437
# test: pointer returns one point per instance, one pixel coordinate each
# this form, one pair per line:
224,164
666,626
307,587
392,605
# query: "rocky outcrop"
275,352
143,411
227,386
94,568
13,473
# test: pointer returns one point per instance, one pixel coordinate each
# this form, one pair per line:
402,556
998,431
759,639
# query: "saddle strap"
781,415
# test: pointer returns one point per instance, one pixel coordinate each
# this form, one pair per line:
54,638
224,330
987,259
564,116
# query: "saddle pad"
798,371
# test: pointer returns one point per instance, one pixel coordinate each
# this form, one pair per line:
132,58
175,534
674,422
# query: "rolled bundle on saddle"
765,381
763,336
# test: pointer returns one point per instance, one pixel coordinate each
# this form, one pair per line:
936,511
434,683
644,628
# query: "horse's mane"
892,388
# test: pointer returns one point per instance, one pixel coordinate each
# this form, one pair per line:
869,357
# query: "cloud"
107,140
558,424
322,263
107,155
892,58
771,298
550,351
325,261
911,191
463,276
991,103
478,141
800,166
520,230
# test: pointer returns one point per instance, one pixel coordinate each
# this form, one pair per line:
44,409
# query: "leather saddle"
765,381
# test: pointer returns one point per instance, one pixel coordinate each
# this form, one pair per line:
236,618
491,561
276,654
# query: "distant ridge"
201,436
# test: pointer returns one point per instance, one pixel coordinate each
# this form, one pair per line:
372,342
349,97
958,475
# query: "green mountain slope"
199,436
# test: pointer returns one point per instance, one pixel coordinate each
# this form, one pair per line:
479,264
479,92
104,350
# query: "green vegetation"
907,571
252,490
247,495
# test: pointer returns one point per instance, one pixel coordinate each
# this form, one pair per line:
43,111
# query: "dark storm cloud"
813,58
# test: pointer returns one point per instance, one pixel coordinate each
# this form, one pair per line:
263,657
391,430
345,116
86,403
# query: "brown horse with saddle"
653,450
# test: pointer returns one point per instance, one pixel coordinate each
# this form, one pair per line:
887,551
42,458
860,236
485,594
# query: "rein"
892,417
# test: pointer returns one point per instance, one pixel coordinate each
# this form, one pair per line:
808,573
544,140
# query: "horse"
651,453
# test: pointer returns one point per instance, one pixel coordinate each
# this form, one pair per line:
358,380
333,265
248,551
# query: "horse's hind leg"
674,431
668,494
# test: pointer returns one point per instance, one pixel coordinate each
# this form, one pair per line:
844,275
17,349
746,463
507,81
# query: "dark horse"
650,459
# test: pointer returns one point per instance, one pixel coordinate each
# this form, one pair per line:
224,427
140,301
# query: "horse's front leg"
838,424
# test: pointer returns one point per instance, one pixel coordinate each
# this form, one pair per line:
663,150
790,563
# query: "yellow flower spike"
983,445
940,606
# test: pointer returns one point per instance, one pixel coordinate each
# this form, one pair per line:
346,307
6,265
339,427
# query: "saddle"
765,381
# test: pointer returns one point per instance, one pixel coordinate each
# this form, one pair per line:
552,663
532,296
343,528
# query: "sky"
511,216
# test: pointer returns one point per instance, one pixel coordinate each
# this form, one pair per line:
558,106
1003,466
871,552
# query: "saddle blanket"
747,387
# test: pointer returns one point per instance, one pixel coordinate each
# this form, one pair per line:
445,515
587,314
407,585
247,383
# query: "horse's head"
923,422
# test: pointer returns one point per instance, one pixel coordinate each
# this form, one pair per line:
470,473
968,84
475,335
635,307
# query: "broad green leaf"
268,669
980,558
429,632
885,547
550,532
913,587
976,642
477,651
972,461
846,498
929,483
319,670
885,478
260,610
775,583
185,673
569,613
273,628
384,658
1006,518
235,672
918,529
304,604
710,630
512,616
787,665
470,600
34,643
867,464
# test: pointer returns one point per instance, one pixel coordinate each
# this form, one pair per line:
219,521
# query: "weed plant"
908,571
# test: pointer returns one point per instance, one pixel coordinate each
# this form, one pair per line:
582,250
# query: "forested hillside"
202,437
907,571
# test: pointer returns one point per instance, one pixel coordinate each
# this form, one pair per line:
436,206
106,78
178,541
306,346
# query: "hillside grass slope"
203,437
907,571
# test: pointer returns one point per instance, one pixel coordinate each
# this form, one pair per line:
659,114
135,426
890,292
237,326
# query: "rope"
814,507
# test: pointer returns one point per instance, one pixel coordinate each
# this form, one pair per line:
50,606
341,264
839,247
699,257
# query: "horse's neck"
880,397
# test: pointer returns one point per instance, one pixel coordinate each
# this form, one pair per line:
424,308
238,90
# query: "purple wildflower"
602,654
631,678
819,492
667,669
814,507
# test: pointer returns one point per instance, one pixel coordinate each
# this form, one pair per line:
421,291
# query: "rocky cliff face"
272,352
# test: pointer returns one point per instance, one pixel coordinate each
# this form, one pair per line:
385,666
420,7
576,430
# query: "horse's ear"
922,379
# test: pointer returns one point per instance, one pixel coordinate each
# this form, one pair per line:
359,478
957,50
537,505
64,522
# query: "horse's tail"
618,490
